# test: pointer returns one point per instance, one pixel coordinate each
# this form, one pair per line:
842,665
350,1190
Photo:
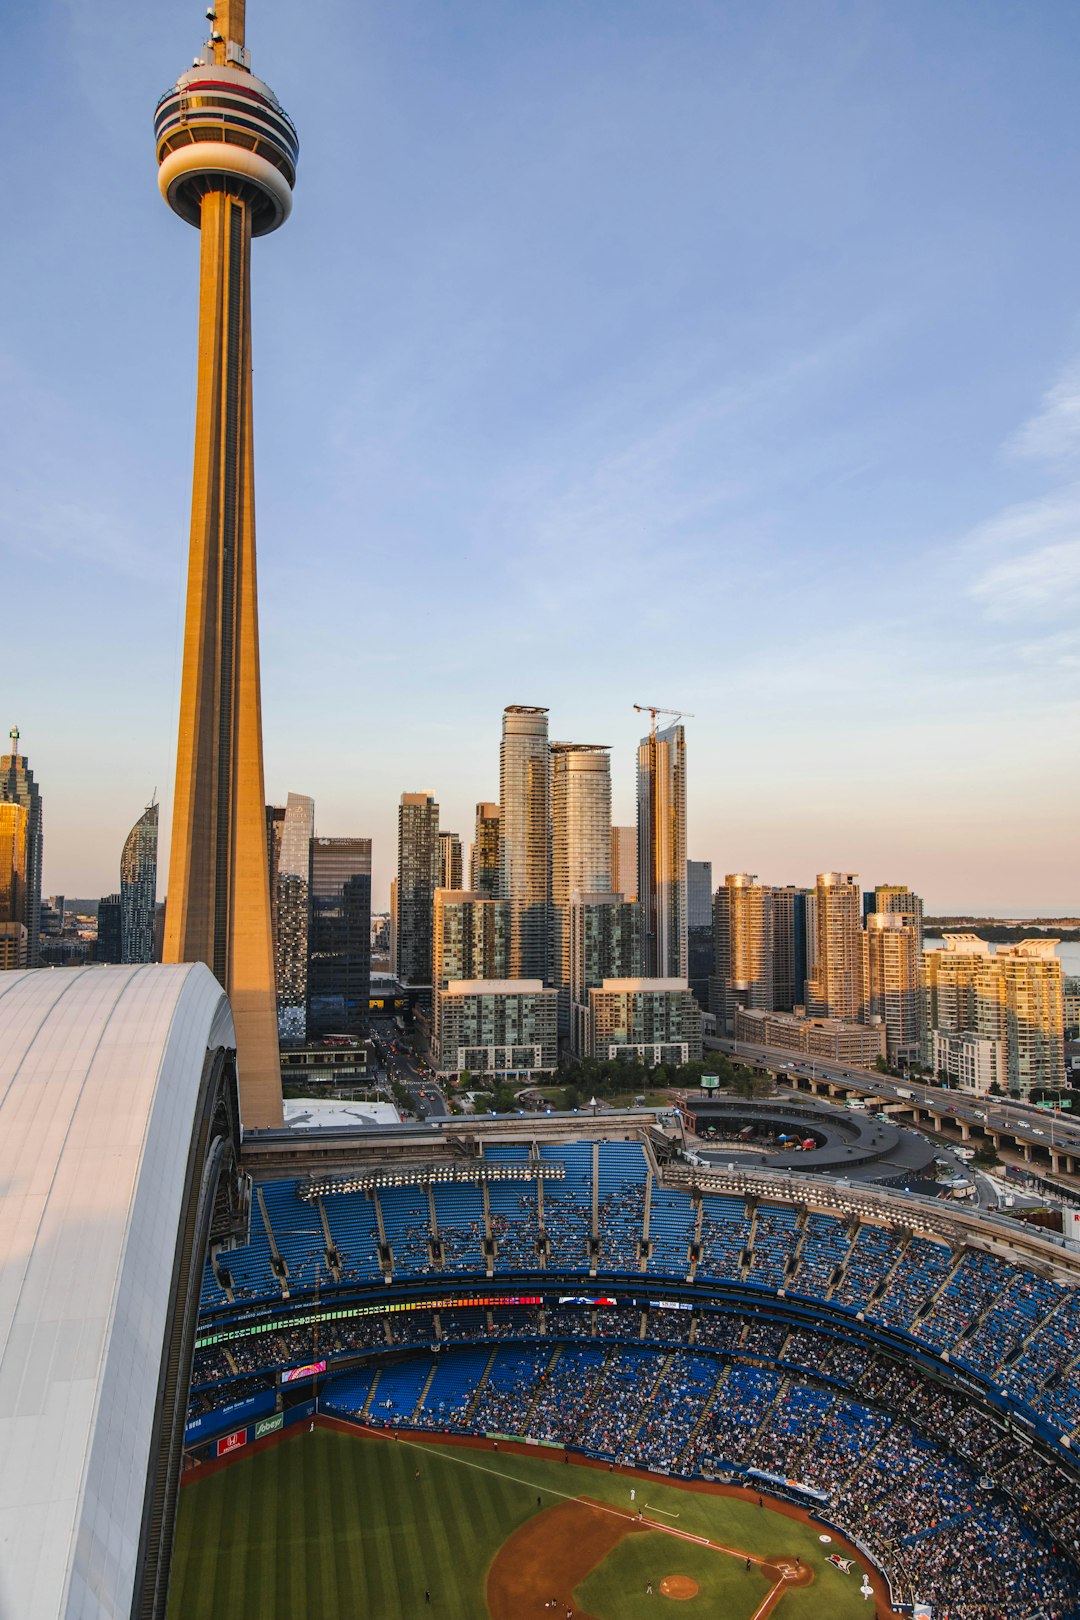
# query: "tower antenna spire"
14,735
228,20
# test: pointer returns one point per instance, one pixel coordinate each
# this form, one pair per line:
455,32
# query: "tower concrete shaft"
227,158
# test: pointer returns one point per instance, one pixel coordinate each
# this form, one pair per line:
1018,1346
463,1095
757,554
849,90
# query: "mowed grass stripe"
330,1526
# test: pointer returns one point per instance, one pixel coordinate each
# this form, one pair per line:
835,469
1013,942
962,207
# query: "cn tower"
227,165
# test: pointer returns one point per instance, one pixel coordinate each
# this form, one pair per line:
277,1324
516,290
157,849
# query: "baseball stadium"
528,1365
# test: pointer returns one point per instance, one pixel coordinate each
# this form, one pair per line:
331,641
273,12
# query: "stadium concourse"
906,1372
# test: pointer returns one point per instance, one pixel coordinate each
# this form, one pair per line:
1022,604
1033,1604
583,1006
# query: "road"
426,1100
1040,1127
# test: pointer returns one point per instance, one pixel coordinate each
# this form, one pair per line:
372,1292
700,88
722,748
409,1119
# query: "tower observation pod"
227,164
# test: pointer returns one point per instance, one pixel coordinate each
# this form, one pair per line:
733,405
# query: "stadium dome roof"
108,1112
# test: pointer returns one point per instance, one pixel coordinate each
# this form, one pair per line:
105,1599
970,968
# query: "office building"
699,929
1013,996
742,946
605,943
525,838
624,862
1070,995
14,938
896,897
339,955
892,994
580,847
17,786
484,855
138,888
839,1040
275,826
661,829
231,176
110,929
293,907
834,988
498,1028
451,871
656,1020
793,927
417,880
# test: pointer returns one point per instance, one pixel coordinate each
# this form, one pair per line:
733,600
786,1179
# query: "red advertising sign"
231,1442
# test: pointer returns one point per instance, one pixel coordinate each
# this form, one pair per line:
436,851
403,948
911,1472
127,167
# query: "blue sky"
717,353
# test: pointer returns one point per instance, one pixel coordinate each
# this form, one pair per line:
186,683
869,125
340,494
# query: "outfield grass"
328,1526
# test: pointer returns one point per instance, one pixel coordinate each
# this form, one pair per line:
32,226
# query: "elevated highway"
1045,1140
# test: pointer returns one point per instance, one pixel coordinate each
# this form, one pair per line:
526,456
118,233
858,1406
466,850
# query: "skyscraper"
484,862
138,888
580,847
834,988
13,933
470,934
605,943
275,826
896,897
227,164
792,927
110,928
17,786
624,862
339,961
417,880
699,929
1004,1006
525,838
890,981
293,905
451,870
661,830
743,945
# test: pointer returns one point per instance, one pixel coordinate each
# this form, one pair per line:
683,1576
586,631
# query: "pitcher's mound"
679,1586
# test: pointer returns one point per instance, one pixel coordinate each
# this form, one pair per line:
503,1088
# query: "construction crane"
653,709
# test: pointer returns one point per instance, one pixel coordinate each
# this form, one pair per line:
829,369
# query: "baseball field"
333,1525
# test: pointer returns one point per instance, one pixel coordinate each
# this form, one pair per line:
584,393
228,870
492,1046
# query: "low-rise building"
657,1020
838,1039
497,1027
972,1062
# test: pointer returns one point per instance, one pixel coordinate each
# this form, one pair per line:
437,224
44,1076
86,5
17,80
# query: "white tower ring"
211,158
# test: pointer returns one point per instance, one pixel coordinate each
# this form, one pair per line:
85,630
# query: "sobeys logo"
269,1425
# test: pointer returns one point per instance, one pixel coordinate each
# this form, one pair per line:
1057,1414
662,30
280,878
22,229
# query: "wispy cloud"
1053,433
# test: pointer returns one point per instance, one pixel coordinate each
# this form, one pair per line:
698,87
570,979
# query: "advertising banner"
208,1424
231,1442
269,1425
292,1374
710,1082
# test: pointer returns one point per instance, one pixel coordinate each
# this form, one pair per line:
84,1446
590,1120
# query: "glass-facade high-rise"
661,828
470,935
292,903
451,870
699,929
791,930
624,861
13,935
484,864
138,888
110,928
605,943
525,838
339,962
17,786
417,880
580,847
